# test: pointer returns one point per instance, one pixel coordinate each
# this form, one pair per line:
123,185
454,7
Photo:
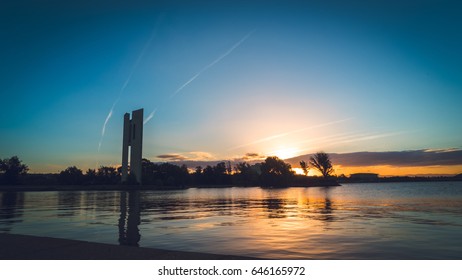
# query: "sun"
286,153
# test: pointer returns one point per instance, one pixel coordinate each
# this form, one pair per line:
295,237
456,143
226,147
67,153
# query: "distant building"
364,177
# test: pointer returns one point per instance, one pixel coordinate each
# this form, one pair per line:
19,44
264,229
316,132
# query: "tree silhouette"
107,175
229,169
164,174
304,167
246,174
321,162
11,170
90,177
275,172
197,175
71,176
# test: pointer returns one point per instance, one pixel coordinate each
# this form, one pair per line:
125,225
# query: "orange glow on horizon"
388,170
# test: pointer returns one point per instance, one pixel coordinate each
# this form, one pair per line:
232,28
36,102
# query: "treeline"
271,172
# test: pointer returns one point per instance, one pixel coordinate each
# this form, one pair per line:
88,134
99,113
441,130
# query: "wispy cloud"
369,137
394,158
272,137
352,138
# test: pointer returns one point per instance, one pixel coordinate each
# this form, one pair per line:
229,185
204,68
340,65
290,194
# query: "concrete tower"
133,137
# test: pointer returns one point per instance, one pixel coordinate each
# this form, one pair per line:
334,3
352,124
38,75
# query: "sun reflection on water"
352,221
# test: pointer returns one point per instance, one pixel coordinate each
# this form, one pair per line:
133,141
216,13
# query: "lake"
353,221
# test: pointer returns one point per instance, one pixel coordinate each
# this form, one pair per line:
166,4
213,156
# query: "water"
354,221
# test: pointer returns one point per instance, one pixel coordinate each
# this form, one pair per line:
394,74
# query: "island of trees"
272,172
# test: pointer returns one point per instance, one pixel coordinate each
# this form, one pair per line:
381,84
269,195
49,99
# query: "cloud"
441,150
272,137
200,155
394,158
251,157
172,157
189,156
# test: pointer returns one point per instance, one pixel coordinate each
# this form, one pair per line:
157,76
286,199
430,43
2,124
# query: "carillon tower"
133,138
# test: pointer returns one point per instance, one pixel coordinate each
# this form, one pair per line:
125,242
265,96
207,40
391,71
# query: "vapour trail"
213,63
150,117
354,138
287,133
104,125
229,51
127,81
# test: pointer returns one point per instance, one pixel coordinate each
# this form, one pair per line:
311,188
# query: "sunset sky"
223,80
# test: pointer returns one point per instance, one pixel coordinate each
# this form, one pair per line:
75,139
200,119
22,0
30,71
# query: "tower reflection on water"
129,219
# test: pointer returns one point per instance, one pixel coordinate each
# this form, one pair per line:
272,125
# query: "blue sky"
227,78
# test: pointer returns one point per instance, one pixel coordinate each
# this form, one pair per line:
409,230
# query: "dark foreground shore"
25,247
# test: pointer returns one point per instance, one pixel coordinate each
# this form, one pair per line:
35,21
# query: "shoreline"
28,247
43,188
120,187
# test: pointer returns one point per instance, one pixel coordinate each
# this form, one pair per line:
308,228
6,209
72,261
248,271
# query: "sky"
230,80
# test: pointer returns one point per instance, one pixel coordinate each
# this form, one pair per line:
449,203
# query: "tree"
71,176
11,170
304,167
275,172
208,175
229,169
221,173
198,170
164,174
149,173
172,174
321,162
246,174
90,177
107,175
197,175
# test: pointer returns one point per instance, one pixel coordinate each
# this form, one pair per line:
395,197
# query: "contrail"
203,70
213,63
104,126
150,117
351,138
287,133
367,137
127,81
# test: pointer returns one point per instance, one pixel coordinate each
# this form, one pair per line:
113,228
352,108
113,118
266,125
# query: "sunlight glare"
286,153
298,171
